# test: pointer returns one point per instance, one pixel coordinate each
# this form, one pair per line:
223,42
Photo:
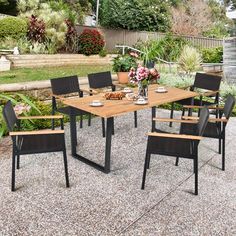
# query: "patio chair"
99,81
210,84
177,145
32,142
66,86
216,127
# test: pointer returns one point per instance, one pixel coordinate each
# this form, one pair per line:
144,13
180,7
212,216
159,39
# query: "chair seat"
28,144
70,110
212,130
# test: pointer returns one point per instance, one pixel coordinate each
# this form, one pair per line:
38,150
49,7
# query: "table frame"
109,127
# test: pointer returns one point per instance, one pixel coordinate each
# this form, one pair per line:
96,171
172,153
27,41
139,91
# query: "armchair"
31,142
177,145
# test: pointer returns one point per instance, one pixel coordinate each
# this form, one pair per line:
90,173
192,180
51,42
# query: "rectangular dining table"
113,108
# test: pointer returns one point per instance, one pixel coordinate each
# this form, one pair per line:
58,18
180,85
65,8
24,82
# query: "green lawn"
45,73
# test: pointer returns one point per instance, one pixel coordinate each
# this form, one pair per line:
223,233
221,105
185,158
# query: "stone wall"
43,60
229,59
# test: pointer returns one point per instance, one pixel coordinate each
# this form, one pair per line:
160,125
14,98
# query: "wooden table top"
113,108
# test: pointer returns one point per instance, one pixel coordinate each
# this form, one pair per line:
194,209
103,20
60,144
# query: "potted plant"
122,65
148,56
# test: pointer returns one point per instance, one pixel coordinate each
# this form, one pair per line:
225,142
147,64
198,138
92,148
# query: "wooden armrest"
180,136
36,132
218,120
210,119
58,96
208,93
39,117
190,118
174,120
89,92
209,107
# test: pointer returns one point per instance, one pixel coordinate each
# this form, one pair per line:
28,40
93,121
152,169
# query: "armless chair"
101,80
65,86
32,142
208,82
177,145
216,127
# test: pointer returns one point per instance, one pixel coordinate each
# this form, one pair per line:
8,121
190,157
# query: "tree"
150,15
191,19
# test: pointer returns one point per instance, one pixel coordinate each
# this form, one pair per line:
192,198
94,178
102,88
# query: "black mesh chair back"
203,119
65,85
229,105
207,81
9,116
100,80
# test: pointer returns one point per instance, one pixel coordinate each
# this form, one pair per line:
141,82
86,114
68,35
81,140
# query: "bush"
36,29
190,59
167,48
90,42
23,44
103,53
212,55
13,27
123,63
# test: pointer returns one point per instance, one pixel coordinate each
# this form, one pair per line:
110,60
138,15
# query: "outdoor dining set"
201,99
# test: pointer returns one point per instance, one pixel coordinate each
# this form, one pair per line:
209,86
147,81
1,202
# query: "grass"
45,73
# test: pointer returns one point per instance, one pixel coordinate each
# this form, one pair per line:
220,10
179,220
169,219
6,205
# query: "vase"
142,90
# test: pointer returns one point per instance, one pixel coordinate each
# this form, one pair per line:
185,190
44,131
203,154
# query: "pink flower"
21,108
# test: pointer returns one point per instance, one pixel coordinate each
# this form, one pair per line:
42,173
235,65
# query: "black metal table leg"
110,123
153,122
73,134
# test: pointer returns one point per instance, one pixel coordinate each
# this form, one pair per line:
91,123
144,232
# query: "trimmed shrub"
13,27
212,55
90,42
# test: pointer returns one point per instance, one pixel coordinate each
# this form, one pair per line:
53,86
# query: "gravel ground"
113,204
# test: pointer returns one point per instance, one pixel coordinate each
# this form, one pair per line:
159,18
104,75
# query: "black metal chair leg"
223,154
89,119
145,170
149,158
177,161
171,113
103,128
53,122
196,174
113,127
135,119
66,169
81,122
220,144
18,162
13,172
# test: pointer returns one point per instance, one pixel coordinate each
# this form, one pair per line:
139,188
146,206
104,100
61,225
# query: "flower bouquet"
143,77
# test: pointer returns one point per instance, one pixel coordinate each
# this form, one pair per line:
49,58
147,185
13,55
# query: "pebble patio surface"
114,204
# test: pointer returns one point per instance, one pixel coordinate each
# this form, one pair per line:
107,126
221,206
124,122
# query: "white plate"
141,103
127,91
96,104
161,90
